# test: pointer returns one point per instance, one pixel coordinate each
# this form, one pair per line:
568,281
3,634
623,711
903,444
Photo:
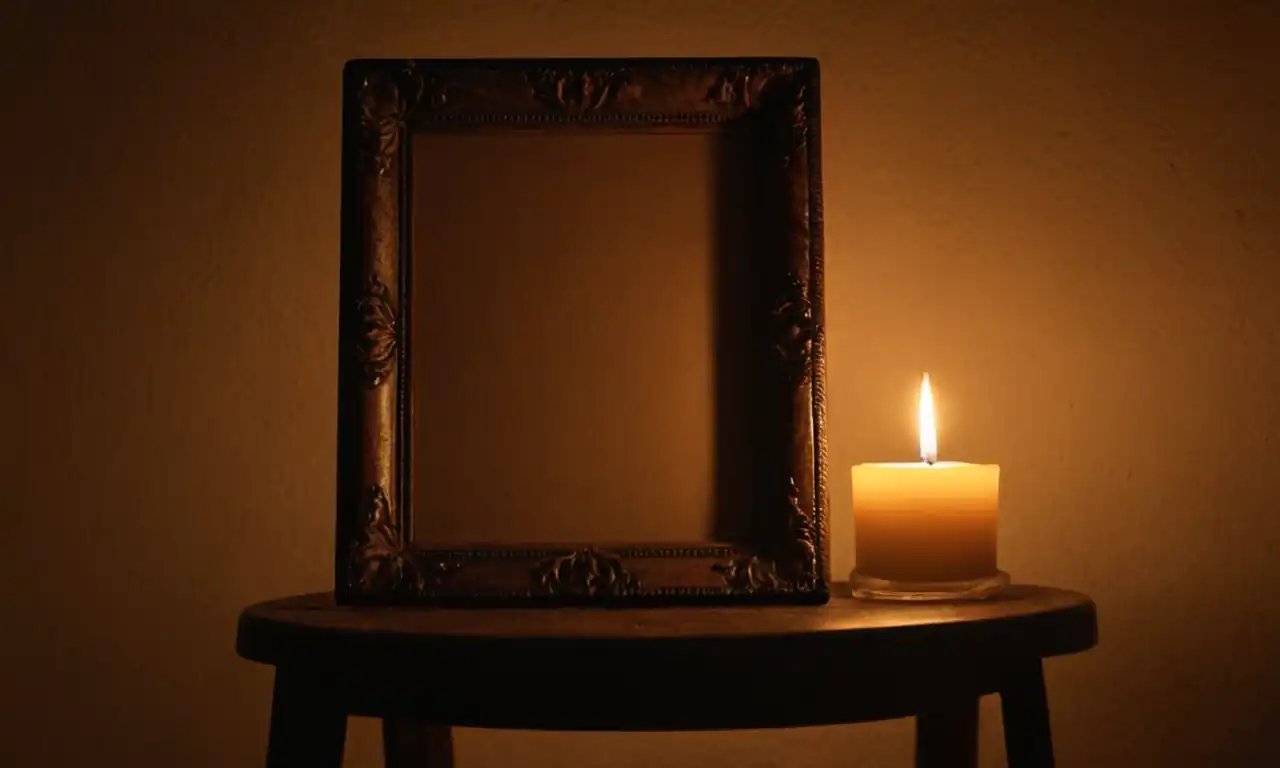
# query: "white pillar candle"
929,521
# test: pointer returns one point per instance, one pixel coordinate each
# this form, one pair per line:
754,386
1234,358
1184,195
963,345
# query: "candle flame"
928,428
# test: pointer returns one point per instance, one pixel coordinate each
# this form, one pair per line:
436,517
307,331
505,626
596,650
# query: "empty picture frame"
581,333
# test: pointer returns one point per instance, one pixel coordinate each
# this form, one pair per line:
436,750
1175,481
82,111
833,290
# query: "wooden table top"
1042,616
846,661
663,668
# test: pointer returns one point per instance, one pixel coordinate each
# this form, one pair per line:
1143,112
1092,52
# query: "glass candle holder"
874,588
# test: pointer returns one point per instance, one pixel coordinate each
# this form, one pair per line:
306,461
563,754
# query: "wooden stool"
422,670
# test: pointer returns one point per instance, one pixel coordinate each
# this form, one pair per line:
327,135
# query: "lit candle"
926,525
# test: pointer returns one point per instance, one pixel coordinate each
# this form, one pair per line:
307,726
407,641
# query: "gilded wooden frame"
384,102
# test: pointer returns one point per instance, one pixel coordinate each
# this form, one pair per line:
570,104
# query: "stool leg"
1028,742
409,743
947,736
308,727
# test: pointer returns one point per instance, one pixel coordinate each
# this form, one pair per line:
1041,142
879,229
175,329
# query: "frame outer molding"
374,559
802,264
821,508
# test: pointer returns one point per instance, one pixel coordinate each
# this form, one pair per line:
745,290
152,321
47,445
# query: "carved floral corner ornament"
378,561
749,574
380,564
799,570
577,91
799,123
795,328
804,544
376,344
387,96
585,572
738,87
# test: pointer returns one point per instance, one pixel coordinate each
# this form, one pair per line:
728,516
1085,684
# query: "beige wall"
1068,213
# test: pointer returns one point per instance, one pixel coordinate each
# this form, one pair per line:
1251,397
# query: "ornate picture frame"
784,558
